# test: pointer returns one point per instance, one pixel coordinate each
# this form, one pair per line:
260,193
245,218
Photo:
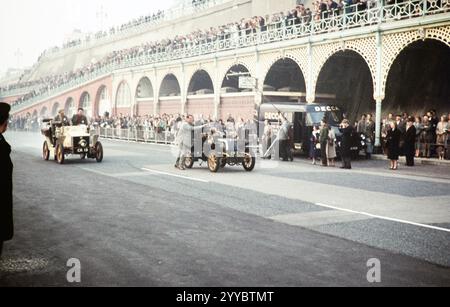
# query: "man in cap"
6,204
62,118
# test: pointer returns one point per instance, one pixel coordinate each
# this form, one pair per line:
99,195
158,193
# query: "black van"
304,116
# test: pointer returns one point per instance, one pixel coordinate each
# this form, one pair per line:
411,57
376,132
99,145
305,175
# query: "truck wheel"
60,154
98,152
45,151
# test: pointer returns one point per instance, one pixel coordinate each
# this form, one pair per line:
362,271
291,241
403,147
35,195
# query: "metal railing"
137,134
348,17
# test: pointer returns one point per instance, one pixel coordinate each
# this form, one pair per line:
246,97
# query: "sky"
31,26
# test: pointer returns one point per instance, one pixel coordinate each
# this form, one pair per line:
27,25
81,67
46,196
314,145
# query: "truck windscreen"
314,118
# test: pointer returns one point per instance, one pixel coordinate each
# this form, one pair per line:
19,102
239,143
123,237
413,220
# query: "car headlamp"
82,143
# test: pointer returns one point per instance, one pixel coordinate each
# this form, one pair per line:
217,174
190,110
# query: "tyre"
98,152
189,162
213,162
45,151
249,162
59,153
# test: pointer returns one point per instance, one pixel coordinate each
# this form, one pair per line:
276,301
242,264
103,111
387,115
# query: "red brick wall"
169,106
237,107
197,106
145,108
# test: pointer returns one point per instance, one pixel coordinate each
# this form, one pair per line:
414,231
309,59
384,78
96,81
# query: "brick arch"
87,110
268,64
43,111
193,73
223,73
67,106
366,48
164,78
395,44
55,108
139,80
160,76
274,60
122,108
96,106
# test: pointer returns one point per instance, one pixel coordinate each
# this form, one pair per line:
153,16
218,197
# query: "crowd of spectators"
432,132
148,127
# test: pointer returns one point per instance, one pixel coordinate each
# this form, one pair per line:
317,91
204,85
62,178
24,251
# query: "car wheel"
45,151
249,162
60,154
213,162
99,152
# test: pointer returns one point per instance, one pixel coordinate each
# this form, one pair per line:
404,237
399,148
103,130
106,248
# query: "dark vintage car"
218,150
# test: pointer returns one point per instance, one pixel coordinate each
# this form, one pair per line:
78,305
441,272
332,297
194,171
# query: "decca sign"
326,109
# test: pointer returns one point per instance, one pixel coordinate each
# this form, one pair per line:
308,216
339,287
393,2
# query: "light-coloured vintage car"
61,141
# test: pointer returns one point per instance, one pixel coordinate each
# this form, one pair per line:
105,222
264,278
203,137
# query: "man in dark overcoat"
6,166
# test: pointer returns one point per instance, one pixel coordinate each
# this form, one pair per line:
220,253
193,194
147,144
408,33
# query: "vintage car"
219,151
61,141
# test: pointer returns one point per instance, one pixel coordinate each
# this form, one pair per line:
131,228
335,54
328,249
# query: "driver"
61,117
79,118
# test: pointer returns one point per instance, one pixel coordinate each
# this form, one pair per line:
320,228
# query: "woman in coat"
6,210
393,145
331,147
441,137
346,144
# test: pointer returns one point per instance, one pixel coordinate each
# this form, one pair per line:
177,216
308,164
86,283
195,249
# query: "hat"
4,112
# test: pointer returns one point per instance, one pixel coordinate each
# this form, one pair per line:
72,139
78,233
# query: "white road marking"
385,218
173,175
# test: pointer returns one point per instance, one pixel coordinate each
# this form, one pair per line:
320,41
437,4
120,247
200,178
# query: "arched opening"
43,113
419,79
103,102
283,79
123,98
144,89
170,87
144,97
201,84
345,80
55,109
85,103
69,107
230,83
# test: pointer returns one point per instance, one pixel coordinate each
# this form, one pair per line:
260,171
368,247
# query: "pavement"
135,220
